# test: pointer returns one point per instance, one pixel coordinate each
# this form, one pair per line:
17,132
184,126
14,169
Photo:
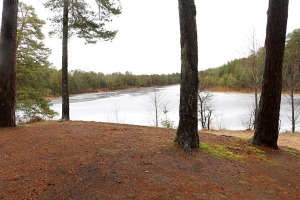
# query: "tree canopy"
77,17
85,22
32,65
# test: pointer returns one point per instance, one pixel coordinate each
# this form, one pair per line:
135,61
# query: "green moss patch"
220,151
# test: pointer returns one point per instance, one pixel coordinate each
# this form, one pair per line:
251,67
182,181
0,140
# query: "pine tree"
267,122
75,18
187,132
32,65
8,44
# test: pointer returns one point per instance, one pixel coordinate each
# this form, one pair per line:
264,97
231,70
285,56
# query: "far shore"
211,89
53,97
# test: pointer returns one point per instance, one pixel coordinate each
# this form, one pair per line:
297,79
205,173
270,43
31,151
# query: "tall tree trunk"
256,106
266,132
8,45
65,84
293,111
187,132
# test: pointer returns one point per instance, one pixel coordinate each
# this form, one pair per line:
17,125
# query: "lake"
136,106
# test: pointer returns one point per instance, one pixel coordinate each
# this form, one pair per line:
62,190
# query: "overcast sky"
148,38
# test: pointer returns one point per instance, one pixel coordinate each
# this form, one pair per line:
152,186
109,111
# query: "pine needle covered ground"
89,160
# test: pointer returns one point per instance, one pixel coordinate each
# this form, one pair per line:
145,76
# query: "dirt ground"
286,139
89,160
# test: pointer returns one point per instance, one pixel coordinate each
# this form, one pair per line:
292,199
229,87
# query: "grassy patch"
255,150
245,138
24,125
172,148
220,151
260,153
105,151
293,153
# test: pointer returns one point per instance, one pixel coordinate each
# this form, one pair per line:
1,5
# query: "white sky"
148,37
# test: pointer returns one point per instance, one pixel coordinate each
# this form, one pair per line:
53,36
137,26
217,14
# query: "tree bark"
187,132
293,112
266,132
65,84
8,46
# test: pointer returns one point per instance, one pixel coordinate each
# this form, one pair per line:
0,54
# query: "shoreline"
52,97
212,89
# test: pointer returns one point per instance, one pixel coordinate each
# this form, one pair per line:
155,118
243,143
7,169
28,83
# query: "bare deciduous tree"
157,104
205,109
248,120
291,75
254,65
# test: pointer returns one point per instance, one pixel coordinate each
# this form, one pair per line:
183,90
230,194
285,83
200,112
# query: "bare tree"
291,85
248,120
113,115
158,104
267,123
294,110
253,64
291,75
8,47
205,109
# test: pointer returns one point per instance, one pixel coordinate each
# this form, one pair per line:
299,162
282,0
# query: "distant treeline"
37,79
247,73
234,75
82,81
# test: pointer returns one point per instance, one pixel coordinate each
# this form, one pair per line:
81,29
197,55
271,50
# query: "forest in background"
36,78
23,50
81,81
244,74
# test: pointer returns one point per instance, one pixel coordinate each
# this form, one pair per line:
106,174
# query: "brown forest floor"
89,160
